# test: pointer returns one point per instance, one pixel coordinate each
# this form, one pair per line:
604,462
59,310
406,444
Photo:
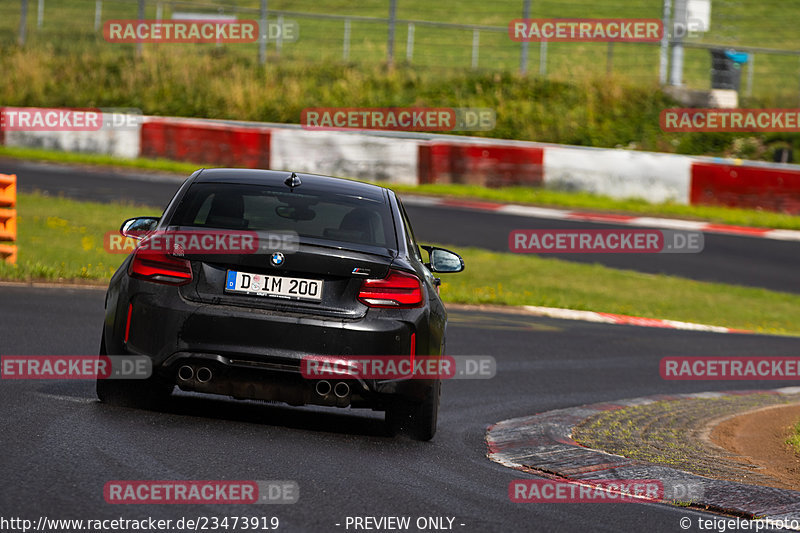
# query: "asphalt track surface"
730,259
60,446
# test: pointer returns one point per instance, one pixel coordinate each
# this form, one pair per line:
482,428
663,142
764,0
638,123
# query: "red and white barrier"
205,141
414,158
348,154
746,185
480,164
651,176
48,131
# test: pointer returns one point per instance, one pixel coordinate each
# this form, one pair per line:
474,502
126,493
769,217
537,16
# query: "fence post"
410,42
23,23
751,64
523,56
392,20
279,40
664,52
140,16
262,38
40,15
476,36
543,58
159,11
676,74
346,45
98,11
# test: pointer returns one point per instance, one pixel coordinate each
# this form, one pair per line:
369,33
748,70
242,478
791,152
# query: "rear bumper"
256,354
215,374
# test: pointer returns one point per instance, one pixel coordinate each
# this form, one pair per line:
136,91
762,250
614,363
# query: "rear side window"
316,215
411,241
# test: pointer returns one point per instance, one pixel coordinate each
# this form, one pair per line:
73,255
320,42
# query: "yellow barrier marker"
8,217
9,253
8,190
8,225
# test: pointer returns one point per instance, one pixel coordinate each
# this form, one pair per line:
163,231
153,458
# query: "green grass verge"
59,239
794,440
62,240
533,280
583,200
666,432
516,195
37,154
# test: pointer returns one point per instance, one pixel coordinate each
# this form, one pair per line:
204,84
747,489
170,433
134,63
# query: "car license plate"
275,286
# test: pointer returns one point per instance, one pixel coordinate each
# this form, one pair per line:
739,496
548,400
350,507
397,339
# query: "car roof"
312,183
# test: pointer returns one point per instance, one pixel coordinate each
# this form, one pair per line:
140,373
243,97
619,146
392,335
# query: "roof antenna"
293,181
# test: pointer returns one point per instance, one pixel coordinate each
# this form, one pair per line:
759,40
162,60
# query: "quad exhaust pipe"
323,387
341,390
185,373
202,375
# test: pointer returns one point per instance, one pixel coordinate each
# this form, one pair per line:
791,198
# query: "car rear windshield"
313,215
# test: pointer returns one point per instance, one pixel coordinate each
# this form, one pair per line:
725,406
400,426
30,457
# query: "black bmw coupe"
329,267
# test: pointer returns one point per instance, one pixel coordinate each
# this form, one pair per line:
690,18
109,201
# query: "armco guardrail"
8,218
418,158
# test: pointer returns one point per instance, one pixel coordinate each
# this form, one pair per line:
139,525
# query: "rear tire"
144,393
416,419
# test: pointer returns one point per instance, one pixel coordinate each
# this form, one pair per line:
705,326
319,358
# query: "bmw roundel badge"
277,259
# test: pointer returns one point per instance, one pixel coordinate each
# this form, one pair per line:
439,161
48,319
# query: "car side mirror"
442,260
138,227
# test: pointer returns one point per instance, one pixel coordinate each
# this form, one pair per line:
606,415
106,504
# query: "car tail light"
160,267
397,289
